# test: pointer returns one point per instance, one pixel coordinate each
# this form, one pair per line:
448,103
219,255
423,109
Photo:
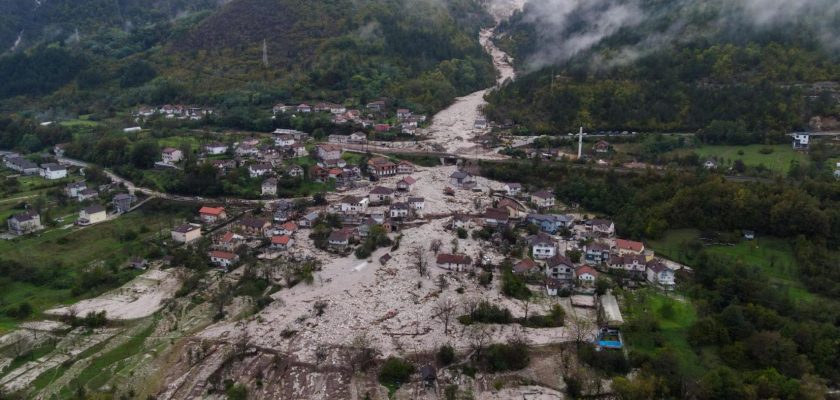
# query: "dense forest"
422,55
752,340
678,70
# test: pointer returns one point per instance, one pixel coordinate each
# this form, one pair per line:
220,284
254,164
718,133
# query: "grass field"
778,161
61,254
674,317
772,255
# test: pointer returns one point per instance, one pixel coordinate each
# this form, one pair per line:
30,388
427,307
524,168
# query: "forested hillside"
672,66
422,54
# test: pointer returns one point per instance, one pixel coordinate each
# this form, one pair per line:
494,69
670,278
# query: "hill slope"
422,53
730,68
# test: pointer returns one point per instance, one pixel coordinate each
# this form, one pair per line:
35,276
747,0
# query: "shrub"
489,313
395,371
462,233
499,357
446,355
610,362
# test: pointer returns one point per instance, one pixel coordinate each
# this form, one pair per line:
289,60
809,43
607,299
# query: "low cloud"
566,28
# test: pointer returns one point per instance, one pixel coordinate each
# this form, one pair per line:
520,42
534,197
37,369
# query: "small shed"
384,259
429,375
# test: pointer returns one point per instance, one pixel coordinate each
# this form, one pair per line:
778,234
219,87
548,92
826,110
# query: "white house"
513,189
543,199
417,203
586,276
255,170
53,171
381,194
454,262
542,246
24,223
223,259
92,215
215,148
801,140
659,274
269,187
602,226
186,233
171,155
354,204
72,189
399,210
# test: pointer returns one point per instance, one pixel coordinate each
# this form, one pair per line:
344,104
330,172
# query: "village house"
211,215
309,219
514,208
288,229
186,233
223,165
553,287
257,170
86,194
404,167
327,152
417,203
284,140
406,184
543,199
246,150
634,265
601,147
480,123
629,247
358,137
25,223
495,217
659,274
560,268
403,113
339,239
60,149
304,108
586,276
381,128
461,179
52,171
460,221
21,165
228,241
407,129
294,171
513,189
542,246
454,262
72,189
354,204
282,242
297,150
399,210
381,166
381,194
601,226
269,187
171,155
551,223
122,202
223,259
215,148
254,226
596,253
378,105
526,266
92,215
338,139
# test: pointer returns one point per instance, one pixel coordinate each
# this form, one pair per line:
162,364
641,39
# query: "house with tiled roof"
454,262
210,215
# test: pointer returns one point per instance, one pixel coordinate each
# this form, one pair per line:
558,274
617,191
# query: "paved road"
134,189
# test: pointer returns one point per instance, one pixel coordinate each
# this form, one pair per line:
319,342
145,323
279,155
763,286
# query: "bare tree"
443,310
363,354
420,262
470,304
479,337
454,245
581,328
435,246
526,303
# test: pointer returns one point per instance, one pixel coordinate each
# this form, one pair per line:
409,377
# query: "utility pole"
580,143
265,54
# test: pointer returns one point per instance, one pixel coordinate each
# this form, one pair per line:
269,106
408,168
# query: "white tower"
580,143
